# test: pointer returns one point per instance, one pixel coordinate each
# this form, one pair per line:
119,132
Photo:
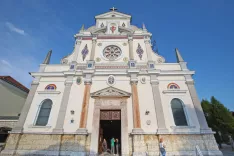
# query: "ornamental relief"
110,92
110,115
110,103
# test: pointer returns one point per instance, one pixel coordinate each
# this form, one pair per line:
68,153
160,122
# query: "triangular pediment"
110,92
111,13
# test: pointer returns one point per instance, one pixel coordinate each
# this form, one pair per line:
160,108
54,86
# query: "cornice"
48,92
130,71
124,71
179,72
174,91
155,71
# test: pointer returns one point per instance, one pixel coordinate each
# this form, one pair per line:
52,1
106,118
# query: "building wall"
37,101
184,97
8,123
146,103
12,100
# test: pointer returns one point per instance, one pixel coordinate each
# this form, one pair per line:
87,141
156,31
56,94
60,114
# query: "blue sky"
203,30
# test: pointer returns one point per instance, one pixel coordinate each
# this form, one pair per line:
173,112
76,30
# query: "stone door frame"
110,103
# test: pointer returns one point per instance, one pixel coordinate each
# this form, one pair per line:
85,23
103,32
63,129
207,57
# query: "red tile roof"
15,83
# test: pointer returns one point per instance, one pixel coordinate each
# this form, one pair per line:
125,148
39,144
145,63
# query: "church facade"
113,85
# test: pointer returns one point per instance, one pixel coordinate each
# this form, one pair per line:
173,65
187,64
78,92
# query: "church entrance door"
110,127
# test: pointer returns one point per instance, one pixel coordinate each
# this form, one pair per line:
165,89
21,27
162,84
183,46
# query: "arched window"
173,86
178,113
50,87
44,113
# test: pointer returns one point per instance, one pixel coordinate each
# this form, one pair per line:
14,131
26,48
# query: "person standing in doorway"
117,146
162,147
113,145
104,145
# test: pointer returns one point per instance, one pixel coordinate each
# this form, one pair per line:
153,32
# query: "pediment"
111,13
110,92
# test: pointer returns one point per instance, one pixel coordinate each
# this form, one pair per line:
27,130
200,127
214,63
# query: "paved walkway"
227,150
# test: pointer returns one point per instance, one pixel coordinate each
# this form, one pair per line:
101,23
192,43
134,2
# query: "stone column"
94,41
23,115
130,42
197,105
63,107
76,50
136,109
158,106
148,49
85,105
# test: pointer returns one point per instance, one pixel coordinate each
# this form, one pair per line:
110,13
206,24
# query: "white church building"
112,85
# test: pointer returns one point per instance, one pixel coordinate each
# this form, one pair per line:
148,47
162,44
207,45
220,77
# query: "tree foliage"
219,118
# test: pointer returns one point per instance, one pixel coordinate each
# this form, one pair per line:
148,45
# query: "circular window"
112,52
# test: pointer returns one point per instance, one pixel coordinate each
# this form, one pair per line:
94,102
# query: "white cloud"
4,62
15,29
18,68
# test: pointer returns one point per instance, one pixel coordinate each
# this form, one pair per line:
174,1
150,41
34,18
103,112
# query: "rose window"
112,52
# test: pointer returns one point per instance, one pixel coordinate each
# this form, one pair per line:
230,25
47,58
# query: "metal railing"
198,151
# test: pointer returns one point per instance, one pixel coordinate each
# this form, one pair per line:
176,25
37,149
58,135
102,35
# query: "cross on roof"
113,9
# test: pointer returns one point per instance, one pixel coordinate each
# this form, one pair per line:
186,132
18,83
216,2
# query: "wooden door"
110,115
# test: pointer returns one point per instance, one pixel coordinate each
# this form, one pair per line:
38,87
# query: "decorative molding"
134,82
173,86
154,82
35,126
87,82
111,80
112,37
139,51
48,92
143,80
174,91
182,127
79,80
85,52
189,82
104,71
110,92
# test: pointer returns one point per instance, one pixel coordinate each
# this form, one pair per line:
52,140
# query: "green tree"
219,118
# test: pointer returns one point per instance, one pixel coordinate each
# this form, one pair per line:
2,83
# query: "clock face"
112,52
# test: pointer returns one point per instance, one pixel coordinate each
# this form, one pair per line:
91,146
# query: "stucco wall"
184,97
12,100
37,101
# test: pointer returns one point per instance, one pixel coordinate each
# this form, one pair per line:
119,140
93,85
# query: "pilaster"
76,49
148,48
135,106
197,105
130,42
85,105
63,107
158,106
94,41
20,124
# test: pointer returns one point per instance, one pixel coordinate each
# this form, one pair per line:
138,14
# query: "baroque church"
113,85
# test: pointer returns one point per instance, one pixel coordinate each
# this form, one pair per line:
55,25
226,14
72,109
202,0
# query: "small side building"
12,98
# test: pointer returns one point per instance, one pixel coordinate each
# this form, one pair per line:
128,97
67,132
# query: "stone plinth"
176,145
139,145
49,144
